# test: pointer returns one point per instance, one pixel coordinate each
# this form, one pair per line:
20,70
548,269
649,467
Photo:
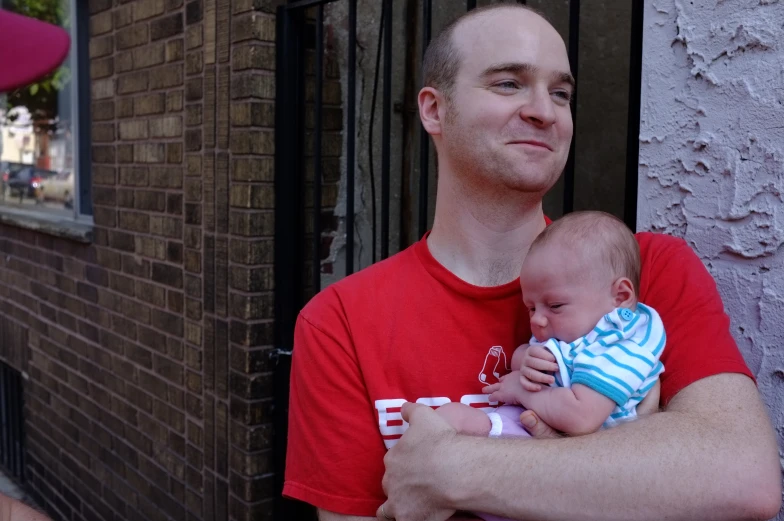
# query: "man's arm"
325,515
710,455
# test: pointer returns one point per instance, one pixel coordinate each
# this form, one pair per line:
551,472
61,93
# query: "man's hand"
535,361
536,427
410,467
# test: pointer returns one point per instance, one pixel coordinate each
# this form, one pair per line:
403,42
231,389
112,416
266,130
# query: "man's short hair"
442,58
599,233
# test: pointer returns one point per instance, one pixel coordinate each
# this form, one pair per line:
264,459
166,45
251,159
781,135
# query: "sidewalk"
9,488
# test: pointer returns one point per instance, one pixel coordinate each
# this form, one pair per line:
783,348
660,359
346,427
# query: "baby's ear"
623,293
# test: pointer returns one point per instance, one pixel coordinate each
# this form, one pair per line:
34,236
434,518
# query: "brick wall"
148,351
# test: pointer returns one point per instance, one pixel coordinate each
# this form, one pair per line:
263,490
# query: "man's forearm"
325,515
711,455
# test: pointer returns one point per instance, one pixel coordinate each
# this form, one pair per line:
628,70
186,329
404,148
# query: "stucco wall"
712,159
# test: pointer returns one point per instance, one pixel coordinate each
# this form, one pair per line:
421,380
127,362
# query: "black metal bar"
17,425
470,4
22,430
302,4
371,143
8,441
385,129
17,418
289,230
574,49
317,150
410,122
424,138
11,417
350,133
4,413
284,300
10,407
288,170
633,125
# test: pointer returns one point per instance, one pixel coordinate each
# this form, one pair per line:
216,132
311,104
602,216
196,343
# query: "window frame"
80,55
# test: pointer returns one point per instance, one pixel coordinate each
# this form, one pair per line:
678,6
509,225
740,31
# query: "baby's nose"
539,319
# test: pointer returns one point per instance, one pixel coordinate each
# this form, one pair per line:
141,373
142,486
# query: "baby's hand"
507,390
535,361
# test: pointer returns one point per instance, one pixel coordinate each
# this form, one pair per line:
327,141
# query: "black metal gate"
301,177
12,446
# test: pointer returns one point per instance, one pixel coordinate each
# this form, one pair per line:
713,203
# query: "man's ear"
429,104
623,293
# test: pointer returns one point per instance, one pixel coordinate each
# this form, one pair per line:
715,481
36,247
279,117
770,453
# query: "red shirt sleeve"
675,282
335,452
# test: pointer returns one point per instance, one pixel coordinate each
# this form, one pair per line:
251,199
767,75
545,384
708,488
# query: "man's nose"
539,109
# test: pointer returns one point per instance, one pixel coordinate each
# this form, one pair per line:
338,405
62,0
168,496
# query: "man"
29,49
440,320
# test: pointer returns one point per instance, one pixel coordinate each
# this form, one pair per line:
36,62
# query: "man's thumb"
536,427
409,409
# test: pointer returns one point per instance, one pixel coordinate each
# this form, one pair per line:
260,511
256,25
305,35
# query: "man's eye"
555,306
508,84
564,95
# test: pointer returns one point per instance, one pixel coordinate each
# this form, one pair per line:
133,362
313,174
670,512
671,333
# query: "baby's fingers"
498,396
488,389
536,376
528,385
541,352
541,365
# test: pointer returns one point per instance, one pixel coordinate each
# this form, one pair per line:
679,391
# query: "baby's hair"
600,233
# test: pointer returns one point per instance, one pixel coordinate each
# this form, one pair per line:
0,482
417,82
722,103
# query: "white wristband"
496,424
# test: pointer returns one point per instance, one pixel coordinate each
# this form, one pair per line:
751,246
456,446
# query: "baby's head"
578,269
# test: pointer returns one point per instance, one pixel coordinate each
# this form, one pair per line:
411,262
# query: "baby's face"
564,298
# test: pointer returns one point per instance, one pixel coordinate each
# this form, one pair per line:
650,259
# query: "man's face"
565,295
508,117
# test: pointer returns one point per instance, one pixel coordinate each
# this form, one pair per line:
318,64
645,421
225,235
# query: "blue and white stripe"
619,358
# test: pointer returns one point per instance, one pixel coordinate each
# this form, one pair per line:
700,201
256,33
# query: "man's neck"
483,240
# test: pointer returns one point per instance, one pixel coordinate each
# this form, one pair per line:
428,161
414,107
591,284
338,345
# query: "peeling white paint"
712,160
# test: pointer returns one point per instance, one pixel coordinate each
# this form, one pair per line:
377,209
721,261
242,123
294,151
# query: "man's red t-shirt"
407,329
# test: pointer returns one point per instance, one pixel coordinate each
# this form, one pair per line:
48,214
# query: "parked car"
7,168
57,188
25,182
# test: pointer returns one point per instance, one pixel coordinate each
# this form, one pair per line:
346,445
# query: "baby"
594,355
580,281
